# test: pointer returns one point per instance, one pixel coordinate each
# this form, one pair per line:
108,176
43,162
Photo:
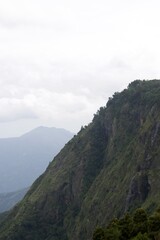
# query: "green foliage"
126,227
140,222
98,234
112,232
138,226
141,236
154,225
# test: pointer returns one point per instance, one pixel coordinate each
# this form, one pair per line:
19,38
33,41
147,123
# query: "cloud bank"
60,61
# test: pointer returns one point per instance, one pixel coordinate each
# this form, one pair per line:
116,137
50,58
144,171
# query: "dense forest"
136,226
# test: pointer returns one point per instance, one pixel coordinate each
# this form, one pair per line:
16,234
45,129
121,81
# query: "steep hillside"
24,158
110,167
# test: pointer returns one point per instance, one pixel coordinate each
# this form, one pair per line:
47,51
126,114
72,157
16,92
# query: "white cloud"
13,109
61,60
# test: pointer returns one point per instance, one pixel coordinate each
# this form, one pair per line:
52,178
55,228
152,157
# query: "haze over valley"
24,158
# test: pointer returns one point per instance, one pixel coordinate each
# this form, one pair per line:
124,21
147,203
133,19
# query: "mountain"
111,166
9,200
24,158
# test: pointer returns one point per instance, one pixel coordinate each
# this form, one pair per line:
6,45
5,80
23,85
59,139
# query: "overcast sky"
61,60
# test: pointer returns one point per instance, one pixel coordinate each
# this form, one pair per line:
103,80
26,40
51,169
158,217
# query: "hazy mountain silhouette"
23,159
8,200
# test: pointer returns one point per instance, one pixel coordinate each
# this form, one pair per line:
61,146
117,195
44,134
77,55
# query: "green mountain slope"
110,167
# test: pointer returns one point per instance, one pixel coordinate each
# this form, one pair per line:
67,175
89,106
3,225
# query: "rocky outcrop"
138,191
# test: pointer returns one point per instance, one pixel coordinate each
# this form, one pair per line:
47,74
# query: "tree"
126,227
140,222
141,236
98,234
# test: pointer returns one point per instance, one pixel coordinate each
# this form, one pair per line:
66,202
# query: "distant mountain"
24,158
110,167
8,200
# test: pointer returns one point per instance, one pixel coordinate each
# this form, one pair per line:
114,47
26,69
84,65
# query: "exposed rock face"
155,132
110,167
138,191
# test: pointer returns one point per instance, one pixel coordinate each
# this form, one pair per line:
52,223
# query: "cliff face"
110,167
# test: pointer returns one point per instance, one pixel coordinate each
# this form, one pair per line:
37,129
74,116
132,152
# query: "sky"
61,60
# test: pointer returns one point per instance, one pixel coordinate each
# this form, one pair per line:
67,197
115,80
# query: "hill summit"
111,166
24,158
